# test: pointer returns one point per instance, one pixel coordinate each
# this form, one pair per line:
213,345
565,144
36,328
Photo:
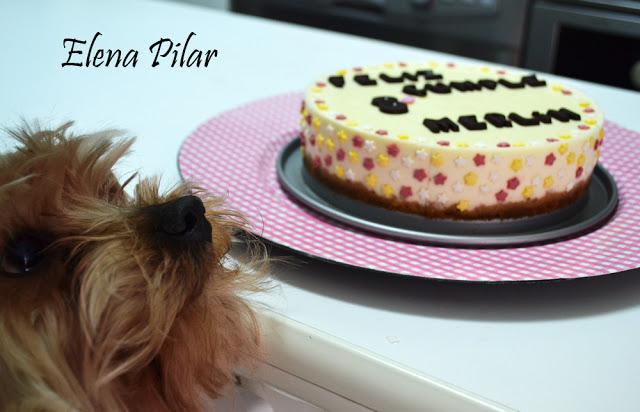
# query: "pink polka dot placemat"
234,155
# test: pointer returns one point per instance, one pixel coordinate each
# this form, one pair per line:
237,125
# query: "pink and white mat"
234,155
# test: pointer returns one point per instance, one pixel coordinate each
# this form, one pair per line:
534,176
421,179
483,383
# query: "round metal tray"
589,212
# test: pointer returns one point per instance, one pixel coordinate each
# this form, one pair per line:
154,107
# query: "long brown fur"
111,320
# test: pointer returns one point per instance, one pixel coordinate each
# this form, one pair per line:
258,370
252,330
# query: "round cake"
451,141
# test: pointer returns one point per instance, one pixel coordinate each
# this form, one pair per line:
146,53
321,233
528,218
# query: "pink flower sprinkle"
513,183
340,154
405,192
550,159
579,172
393,150
357,141
328,160
439,179
589,110
443,142
501,72
503,144
317,162
583,127
451,65
357,69
479,159
381,132
368,163
341,117
501,196
567,92
419,175
552,139
302,139
407,100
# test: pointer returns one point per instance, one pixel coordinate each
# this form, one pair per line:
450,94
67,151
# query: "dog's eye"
21,255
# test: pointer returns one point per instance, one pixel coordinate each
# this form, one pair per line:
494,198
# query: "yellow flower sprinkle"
565,136
470,179
371,180
581,159
383,159
403,137
571,157
556,88
590,122
316,122
601,135
316,89
322,106
351,123
330,145
354,157
437,160
340,171
528,192
462,205
516,165
462,144
342,136
548,182
387,190
320,140
585,104
562,149
341,72
518,144
484,69
305,112
388,65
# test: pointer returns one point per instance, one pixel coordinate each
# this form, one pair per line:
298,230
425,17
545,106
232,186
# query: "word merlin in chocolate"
498,120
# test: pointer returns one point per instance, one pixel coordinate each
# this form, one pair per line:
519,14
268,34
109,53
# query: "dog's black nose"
182,219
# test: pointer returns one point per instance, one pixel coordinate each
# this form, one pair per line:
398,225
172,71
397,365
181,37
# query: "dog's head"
110,301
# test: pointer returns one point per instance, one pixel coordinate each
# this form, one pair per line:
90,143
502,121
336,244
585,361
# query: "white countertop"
565,346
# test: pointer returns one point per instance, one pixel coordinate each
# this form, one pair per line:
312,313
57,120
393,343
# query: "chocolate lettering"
533,81
471,123
497,120
364,80
511,85
390,105
337,81
440,125
523,121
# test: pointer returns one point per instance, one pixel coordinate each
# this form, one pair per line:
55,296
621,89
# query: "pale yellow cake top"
350,105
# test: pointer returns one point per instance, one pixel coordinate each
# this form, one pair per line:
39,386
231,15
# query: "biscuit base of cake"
550,202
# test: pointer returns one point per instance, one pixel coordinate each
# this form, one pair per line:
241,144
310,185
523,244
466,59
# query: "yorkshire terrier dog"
111,301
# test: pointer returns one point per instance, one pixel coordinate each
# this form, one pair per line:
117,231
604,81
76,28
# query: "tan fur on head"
110,318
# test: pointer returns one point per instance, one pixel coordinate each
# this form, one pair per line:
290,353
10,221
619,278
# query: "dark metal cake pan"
592,210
